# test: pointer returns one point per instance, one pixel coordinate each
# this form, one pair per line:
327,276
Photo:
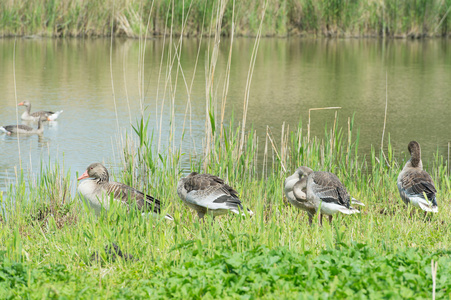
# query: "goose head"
303,171
24,103
96,171
415,153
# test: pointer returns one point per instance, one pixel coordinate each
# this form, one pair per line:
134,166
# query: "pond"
104,87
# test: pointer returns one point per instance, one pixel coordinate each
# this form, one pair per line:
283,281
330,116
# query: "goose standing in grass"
208,194
98,189
309,191
47,115
23,129
295,190
414,183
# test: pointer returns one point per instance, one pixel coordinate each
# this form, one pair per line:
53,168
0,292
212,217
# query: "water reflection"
290,76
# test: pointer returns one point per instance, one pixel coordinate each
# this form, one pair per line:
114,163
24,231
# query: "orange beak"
20,104
84,175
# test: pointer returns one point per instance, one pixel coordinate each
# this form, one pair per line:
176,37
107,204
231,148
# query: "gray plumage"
413,182
295,188
206,193
23,129
98,190
319,190
46,115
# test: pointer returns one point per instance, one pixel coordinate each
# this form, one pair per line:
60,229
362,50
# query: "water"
101,100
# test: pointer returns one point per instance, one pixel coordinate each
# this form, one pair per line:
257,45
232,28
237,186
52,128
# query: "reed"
133,18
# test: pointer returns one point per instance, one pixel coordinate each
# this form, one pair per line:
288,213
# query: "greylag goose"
208,194
98,190
414,183
312,190
23,129
295,190
47,115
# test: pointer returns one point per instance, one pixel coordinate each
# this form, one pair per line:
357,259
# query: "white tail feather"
54,116
356,202
348,211
428,208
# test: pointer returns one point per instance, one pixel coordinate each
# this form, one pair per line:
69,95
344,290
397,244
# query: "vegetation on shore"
53,246
48,236
134,18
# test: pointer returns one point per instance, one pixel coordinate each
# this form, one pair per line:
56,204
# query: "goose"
23,129
48,115
98,189
208,194
309,191
295,191
414,183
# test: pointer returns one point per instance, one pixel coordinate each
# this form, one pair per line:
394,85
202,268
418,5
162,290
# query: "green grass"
348,272
135,18
48,236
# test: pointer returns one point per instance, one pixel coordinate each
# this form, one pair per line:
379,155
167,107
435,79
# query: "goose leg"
201,216
330,219
310,219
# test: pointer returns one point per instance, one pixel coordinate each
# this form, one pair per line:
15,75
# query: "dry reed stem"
443,18
227,76
434,277
160,126
349,141
448,156
249,76
313,109
125,87
111,71
17,107
385,118
178,51
188,104
209,114
269,133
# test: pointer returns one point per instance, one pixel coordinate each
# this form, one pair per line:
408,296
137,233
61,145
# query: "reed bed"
53,246
133,18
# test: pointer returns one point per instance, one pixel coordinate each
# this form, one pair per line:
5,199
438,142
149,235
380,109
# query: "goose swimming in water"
23,129
98,190
309,191
208,194
414,183
47,115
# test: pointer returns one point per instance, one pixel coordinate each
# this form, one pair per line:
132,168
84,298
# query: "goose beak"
20,104
84,175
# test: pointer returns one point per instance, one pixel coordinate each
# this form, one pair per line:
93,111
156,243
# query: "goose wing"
12,128
417,182
199,182
214,197
329,189
125,194
42,113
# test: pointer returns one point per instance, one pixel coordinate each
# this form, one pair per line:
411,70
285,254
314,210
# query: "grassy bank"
135,18
48,236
